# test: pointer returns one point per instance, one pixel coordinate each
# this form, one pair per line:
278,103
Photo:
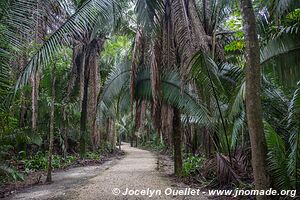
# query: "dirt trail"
136,172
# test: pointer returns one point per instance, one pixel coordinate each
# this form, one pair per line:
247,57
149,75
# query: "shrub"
192,164
40,162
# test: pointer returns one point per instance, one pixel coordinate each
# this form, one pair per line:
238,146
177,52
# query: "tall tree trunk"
90,93
92,58
40,34
83,116
177,142
76,87
253,100
155,83
51,129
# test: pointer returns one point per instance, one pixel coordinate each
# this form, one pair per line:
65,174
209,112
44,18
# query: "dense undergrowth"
208,172
18,167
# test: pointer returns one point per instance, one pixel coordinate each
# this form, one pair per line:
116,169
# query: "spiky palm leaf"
205,71
172,93
279,8
277,158
149,13
294,139
212,13
17,19
74,28
280,55
115,87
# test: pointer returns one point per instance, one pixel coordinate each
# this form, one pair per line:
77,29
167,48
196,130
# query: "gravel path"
136,173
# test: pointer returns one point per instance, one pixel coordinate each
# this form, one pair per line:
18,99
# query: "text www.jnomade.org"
197,192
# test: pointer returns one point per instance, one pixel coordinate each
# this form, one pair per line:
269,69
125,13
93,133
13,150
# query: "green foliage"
116,47
192,165
277,157
36,162
235,45
155,146
39,161
234,24
105,147
92,155
9,173
155,143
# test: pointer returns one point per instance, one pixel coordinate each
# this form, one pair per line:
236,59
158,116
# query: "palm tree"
51,128
253,100
178,28
89,18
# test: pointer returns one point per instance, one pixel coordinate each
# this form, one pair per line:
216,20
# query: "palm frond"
278,8
11,172
294,157
211,13
277,157
280,46
205,71
280,55
237,130
294,108
149,13
294,139
75,27
238,101
172,93
19,19
116,84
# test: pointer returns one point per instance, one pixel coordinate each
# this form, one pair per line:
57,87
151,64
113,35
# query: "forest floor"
138,171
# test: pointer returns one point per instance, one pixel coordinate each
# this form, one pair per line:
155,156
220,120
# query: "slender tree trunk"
120,142
105,136
24,107
51,129
115,135
83,117
40,34
23,111
34,99
253,100
113,138
136,141
131,141
167,124
65,134
177,142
